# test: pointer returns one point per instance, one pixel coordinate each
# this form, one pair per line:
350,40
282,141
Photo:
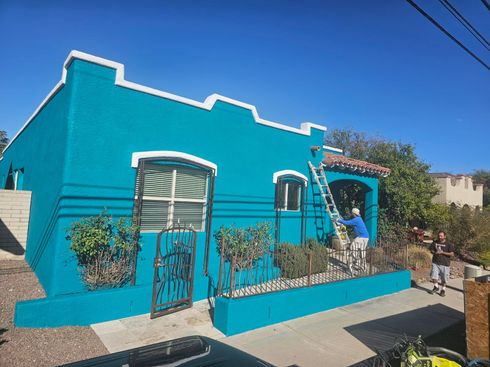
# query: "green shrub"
245,244
391,233
293,260
320,256
419,257
484,258
479,244
469,231
104,250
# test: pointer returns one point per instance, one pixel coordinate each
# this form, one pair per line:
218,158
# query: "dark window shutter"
154,215
189,214
190,184
293,195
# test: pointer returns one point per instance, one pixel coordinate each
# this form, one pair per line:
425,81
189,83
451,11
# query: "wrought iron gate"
174,271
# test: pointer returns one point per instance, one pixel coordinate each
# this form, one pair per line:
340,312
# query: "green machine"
413,352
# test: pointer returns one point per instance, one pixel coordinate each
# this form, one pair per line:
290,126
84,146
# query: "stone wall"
14,222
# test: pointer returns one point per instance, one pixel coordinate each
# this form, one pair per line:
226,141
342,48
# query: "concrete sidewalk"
339,337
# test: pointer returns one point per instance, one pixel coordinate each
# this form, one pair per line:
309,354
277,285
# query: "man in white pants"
361,232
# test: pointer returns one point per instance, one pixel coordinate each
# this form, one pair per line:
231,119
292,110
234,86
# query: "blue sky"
373,66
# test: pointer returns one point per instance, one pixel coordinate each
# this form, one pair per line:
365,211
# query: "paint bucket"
471,271
336,244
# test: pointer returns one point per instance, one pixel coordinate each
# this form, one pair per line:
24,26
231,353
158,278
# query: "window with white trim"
173,194
288,194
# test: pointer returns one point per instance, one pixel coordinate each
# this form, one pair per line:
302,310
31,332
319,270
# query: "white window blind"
173,195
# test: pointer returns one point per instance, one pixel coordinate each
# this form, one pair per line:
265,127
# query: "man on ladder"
359,244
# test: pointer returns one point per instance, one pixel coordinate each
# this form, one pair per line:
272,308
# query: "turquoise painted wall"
233,316
83,309
109,123
40,151
76,156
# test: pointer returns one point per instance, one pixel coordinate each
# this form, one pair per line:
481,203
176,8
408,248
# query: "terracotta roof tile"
343,162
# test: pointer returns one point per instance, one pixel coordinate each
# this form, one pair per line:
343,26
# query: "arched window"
289,190
172,188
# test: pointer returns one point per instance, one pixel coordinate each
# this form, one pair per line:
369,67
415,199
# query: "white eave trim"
289,172
136,156
327,147
305,128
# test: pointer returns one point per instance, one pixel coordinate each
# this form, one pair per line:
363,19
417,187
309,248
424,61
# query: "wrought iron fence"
277,269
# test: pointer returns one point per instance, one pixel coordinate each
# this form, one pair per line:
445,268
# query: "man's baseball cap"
356,211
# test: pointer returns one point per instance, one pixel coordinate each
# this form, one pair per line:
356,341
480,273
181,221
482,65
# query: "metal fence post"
310,263
370,252
221,264
232,275
406,256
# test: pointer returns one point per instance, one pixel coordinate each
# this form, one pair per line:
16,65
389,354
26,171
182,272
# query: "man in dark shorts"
441,260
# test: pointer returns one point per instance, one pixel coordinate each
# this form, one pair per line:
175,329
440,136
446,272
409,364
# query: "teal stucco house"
205,164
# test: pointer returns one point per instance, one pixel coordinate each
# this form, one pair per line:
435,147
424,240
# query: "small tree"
4,140
405,195
469,231
246,245
104,250
483,177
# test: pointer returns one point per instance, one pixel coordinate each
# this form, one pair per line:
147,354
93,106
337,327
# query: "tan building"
458,190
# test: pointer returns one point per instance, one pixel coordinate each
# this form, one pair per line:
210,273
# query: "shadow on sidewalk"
430,321
380,334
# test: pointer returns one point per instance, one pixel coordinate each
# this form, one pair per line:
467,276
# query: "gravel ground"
37,347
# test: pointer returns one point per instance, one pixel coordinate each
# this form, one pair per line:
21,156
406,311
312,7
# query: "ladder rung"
328,201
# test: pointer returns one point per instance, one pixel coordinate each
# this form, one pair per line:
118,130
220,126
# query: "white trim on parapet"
171,154
289,172
305,128
327,147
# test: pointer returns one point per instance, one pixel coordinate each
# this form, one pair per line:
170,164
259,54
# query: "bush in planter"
419,257
247,245
293,260
321,258
104,250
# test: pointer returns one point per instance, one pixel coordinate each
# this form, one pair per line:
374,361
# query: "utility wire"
465,23
441,28
485,2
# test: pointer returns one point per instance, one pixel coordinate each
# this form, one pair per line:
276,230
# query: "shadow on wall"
8,242
381,334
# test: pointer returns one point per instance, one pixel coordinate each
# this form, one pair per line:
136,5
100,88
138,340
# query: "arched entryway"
353,192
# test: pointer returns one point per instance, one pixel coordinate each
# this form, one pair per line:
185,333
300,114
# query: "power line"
485,2
455,13
441,28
